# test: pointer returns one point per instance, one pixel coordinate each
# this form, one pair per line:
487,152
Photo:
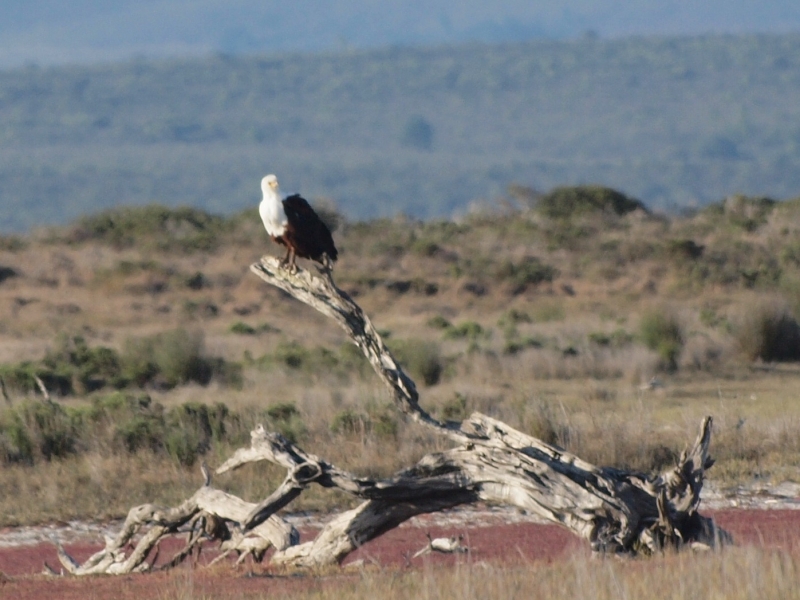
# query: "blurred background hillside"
423,110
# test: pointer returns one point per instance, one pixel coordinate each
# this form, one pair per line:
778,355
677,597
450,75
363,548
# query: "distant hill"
51,32
671,121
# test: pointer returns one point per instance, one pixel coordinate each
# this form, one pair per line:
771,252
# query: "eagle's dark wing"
310,237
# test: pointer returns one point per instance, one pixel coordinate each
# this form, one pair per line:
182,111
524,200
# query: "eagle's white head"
270,182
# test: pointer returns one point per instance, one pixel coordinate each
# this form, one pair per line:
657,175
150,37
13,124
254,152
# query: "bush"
513,317
384,425
349,423
183,229
769,332
118,423
242,328
7,273
37,430
467,330
12,243
165,360
455,409
70,367
570,201
662,332
191,427
515,345
296,356
342,363
88,368
530,271
422,359
285,417
683,250
616,339
745,212
22,377
168,359
439,322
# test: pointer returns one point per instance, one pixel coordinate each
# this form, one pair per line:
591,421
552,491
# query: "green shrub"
34,430
683,250
769,332
384,425
546,312
425,247
165,360
180,357
7,273
119,423
514,317
22,377
455,409
439,322
88,368
296,356
318,360
662,332
191,428
348,422
515,345
169,359
12,243
283,411
422,359
143,431
242,328
469,330
530,271
181,229
70,367
570,201
196,282
616,339
285,418
744,212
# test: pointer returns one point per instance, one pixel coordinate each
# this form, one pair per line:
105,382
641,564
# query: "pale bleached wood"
158,522
615,510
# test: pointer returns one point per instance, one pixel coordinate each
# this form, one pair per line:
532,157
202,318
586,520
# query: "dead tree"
616,511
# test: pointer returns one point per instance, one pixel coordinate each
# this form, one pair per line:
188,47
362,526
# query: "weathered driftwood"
204,516
616,511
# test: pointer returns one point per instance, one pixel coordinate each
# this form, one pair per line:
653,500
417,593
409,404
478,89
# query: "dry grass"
731,575
736,574
563,359
608,422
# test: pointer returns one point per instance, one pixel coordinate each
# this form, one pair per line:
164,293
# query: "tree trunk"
616,511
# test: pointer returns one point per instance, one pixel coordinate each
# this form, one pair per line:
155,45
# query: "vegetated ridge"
426,132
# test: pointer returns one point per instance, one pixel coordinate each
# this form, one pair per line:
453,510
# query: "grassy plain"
604,329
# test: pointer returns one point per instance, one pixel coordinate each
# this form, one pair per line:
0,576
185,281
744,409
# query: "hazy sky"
66,31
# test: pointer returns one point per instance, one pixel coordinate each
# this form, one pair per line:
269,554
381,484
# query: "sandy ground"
768,518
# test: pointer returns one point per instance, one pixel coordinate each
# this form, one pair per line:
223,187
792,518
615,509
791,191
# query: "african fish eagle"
294,224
